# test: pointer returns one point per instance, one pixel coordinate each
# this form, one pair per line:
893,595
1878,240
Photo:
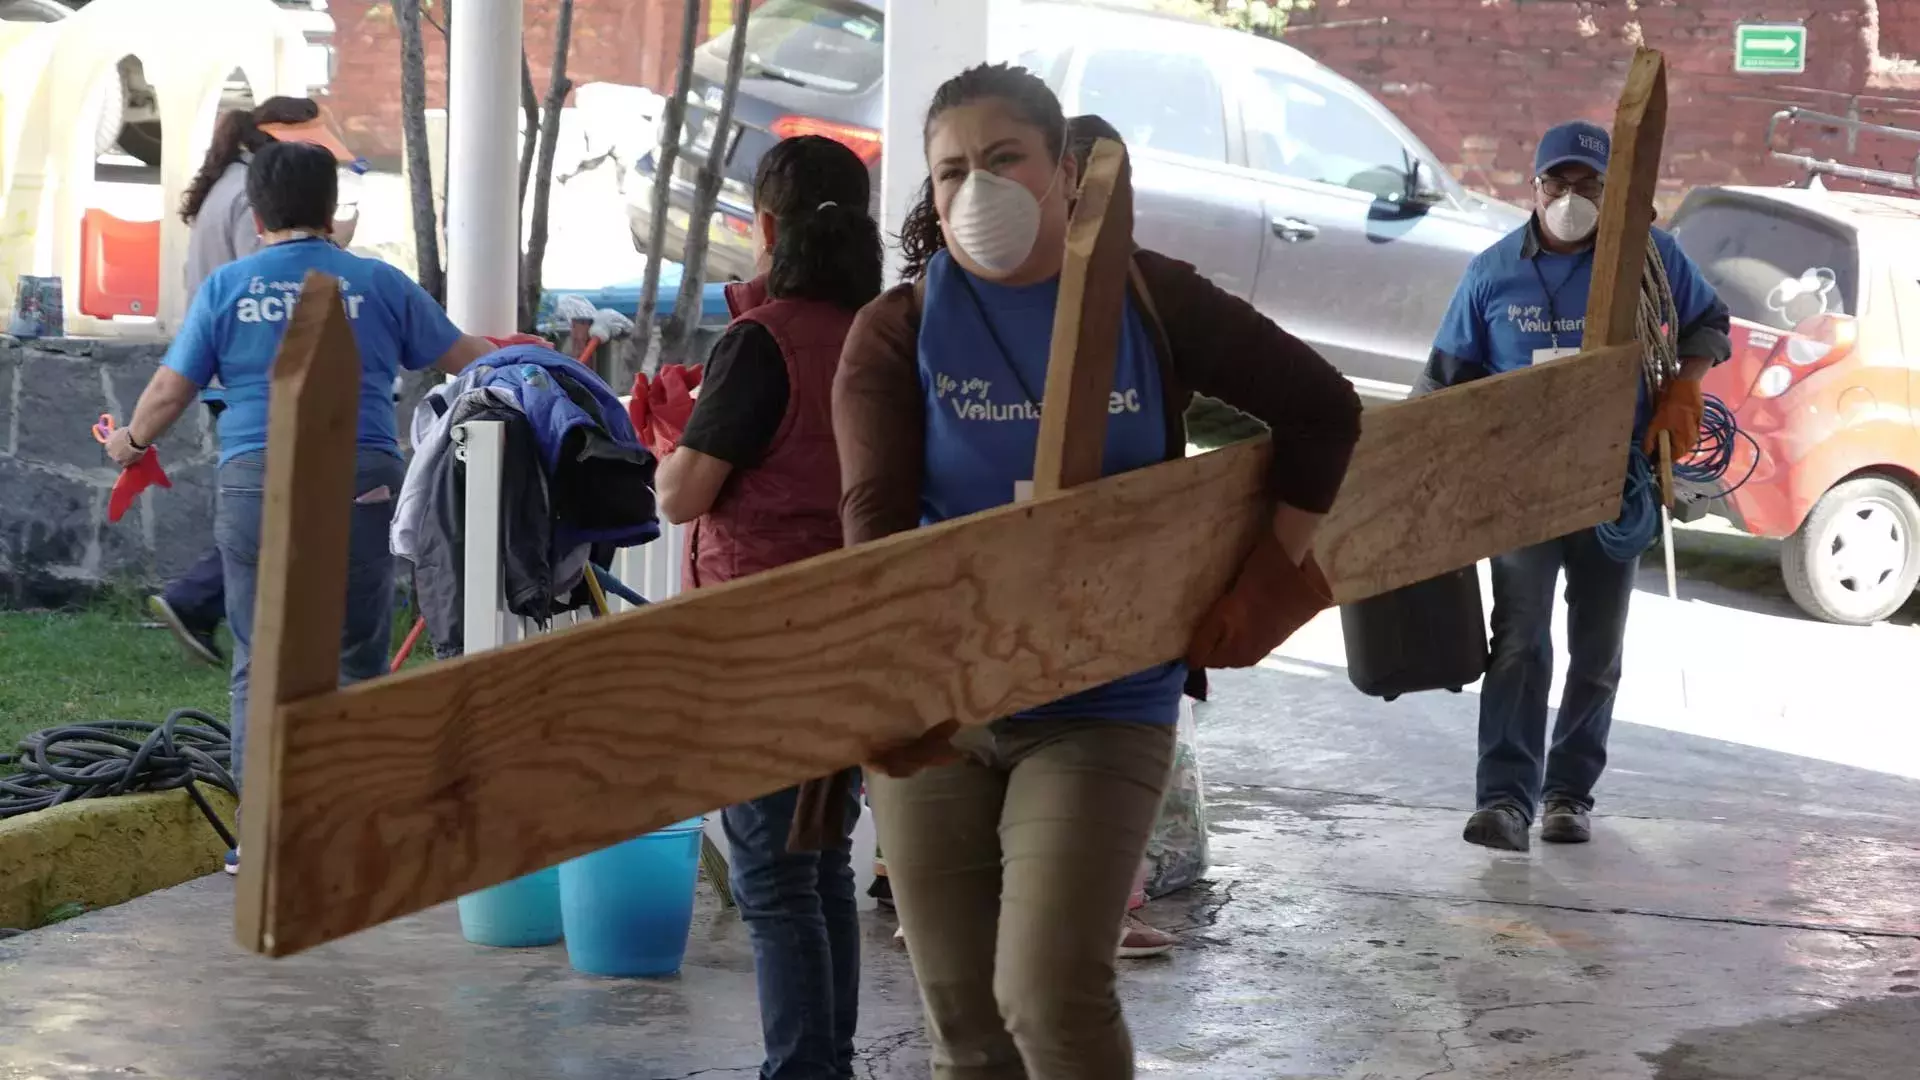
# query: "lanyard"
1006,356
1553,294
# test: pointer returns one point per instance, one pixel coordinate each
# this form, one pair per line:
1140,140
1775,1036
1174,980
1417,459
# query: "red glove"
933,747
1678,414
519,339
661,408
135,479
1270,600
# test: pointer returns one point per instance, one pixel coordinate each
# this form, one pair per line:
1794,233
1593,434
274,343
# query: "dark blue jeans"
800,914
1516,767
199,596
367,633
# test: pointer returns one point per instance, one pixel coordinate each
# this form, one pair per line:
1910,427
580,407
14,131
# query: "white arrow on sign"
1779,45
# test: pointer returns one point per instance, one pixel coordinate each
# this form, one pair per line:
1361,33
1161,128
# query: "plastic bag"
1177,850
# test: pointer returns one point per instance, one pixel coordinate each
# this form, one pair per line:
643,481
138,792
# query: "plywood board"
1086,325
1627,210
300,600
399,794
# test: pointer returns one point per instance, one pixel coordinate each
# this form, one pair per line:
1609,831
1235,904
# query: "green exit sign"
1770,50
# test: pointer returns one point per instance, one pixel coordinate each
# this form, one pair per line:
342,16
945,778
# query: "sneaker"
199,644
232,863
1499,827
1565,822
1138,940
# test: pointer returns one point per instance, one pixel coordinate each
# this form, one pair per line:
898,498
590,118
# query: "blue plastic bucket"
628,909
518,914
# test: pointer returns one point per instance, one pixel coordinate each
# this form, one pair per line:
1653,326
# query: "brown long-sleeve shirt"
1207,342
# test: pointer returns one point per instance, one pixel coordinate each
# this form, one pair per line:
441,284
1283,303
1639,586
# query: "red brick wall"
624,41
1479,80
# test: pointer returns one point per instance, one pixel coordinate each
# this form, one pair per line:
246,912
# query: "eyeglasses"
1593,187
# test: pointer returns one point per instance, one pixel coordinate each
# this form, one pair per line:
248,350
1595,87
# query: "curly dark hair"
238,132
826,246
1022,91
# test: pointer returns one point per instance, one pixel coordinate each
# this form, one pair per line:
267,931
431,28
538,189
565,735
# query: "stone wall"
56,546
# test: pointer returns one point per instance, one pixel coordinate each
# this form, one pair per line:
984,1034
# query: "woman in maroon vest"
757,473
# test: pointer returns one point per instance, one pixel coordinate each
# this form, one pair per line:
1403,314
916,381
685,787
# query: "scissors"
104,429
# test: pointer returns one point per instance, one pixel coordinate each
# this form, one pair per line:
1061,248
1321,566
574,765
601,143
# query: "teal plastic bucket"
518,914
628,909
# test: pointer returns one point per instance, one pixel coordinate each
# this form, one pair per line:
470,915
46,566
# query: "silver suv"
1285,183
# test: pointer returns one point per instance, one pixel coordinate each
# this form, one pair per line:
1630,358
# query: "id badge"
1541,356
1022,491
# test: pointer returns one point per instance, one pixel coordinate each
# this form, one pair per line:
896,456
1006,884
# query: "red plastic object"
660,409
135,479
119,266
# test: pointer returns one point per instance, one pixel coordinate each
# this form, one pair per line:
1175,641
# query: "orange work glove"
933,747
1270,600
1678,414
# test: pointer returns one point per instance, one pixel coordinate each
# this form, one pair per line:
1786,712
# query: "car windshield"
832,45
1771,267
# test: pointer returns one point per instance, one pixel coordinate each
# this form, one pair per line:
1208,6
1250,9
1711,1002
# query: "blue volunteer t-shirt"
1519,303
233,330
983,366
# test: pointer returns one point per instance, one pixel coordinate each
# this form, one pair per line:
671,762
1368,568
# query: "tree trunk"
413,119
558,86
670,125
676,341
530,108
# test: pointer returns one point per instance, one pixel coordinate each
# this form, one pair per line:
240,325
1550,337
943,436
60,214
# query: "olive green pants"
1011,872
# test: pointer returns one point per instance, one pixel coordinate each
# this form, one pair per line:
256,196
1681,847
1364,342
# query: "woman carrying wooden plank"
1012,859
756,472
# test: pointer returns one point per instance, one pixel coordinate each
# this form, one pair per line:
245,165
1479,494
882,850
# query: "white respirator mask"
995,221
1572,218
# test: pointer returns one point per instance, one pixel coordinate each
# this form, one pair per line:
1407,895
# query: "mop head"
609,324
571,308
714,865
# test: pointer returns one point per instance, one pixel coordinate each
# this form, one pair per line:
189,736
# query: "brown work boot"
1565,822
1138,940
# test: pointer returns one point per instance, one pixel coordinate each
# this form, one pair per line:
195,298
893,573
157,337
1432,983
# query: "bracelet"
135,443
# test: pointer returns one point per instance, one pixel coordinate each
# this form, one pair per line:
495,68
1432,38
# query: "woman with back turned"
757,473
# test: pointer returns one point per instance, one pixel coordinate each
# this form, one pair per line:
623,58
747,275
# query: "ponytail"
826,246
831,253
236,134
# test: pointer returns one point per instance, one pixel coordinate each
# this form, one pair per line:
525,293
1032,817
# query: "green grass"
111,662
106,663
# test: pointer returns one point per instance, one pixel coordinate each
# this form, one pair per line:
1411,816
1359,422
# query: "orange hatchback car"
1825,377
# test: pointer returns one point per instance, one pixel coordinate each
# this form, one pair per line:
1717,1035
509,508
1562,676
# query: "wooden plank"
1086,325
300,601
410,791
1627,211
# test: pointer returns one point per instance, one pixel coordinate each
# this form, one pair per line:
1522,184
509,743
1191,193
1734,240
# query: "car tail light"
1818,342
862,141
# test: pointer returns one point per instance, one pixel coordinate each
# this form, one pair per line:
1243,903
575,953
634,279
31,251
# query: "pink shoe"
1138,940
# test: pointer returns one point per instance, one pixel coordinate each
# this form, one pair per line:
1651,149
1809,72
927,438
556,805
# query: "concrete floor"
1744,914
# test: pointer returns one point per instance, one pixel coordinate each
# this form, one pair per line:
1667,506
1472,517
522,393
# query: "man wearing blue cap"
1524,302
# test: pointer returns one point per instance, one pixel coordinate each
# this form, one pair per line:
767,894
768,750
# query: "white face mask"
1572,218
995,221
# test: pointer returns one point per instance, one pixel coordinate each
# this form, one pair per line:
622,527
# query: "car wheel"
1856,558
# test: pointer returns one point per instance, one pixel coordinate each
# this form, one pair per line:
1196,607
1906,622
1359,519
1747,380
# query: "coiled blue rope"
1629,536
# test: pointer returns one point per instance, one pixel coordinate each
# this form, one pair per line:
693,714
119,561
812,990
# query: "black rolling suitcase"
1429,636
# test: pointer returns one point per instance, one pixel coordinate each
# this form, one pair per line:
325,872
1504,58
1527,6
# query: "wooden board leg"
1087,325
301,584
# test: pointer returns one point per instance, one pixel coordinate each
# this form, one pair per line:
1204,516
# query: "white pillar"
483,158
928,42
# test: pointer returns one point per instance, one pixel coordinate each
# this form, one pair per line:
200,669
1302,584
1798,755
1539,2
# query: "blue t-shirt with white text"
1518,299
233,329
983,367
